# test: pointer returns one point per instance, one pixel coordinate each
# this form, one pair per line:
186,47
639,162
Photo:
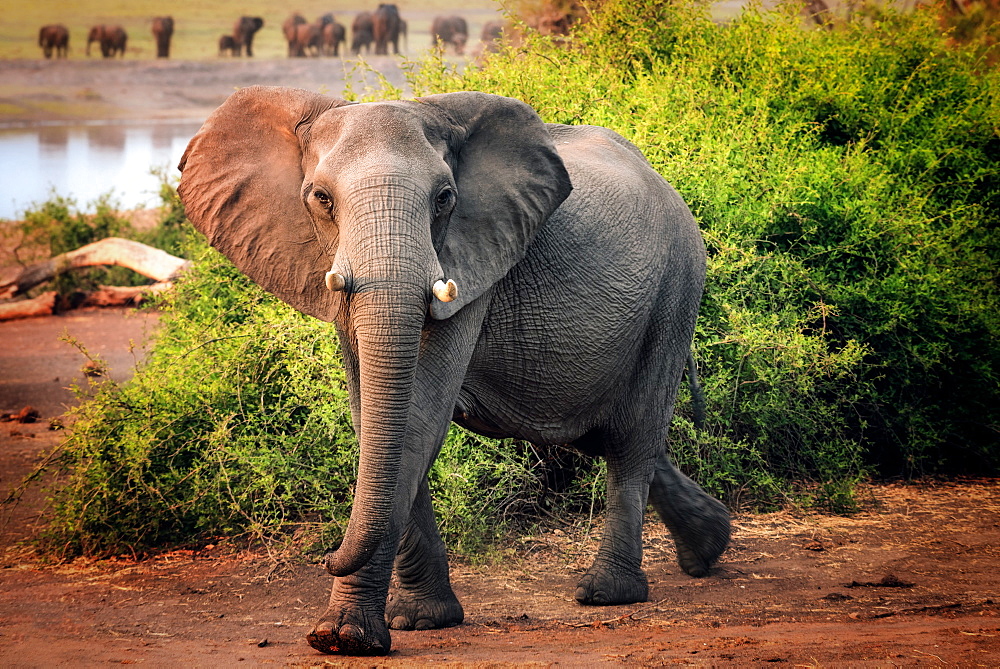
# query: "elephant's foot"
697,559
409,610
698,522
602,586
701,537
350,632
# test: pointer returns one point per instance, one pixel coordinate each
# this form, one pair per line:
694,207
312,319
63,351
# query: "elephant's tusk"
446,292
335,281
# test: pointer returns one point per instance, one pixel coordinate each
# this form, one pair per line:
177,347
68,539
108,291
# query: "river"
84,161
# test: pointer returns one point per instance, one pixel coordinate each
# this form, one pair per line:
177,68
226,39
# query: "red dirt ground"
912,581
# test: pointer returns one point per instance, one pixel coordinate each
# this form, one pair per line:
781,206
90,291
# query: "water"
85,161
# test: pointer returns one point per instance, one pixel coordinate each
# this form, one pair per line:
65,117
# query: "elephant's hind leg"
423,598
616,576
698,522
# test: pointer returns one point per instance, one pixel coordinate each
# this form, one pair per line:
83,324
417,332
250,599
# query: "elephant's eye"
322,198
444,199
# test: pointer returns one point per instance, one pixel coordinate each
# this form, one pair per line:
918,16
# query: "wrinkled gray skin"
244,30
579,274
450,31
54,38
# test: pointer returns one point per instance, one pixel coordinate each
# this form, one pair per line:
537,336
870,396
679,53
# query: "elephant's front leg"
354,621
423,598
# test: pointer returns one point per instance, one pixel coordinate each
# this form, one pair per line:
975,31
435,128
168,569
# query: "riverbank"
36,92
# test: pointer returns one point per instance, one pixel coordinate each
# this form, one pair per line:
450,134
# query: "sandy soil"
912,581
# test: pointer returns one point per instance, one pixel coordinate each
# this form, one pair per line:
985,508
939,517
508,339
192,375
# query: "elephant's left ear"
510,179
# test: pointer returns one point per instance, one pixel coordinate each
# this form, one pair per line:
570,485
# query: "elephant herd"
111,38
375,32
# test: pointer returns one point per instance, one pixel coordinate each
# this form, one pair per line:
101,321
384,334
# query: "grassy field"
199,24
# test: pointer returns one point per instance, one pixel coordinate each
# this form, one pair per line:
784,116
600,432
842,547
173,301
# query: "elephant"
522,279
306,40
290,30
332,35
492,35
111,39
386,28
453,30
243,31
362,33
163,30
227,45
54,38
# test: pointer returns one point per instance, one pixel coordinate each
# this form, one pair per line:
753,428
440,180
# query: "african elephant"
491,36
243,31
111,39
332,34
306,40
289,29
386,28
522,279
362,34
54,38
450,30
227,45
163,30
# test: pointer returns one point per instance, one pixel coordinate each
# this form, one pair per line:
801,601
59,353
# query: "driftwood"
154,263
146,260
43,305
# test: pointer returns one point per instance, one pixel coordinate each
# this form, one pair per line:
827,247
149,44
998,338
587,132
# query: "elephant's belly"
551,404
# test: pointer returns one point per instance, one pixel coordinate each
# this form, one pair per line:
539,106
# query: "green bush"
847,185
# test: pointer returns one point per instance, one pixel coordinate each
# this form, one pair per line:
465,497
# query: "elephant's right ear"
241,183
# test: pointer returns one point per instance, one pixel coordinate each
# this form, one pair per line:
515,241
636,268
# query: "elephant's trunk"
386,312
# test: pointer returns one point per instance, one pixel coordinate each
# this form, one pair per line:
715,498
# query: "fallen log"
43,305
146,260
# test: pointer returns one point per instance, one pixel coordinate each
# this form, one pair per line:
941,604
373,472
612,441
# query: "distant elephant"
111,39
243,31
362,33
491,35
386,28
305,39
227,44
450,30
54,38
332,35
289,29
522,279
163,30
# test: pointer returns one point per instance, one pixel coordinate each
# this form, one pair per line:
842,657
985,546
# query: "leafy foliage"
847,185
846,182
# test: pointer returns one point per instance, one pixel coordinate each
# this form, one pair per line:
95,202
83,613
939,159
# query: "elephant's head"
376,216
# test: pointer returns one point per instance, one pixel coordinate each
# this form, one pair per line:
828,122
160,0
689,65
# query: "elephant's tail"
697,396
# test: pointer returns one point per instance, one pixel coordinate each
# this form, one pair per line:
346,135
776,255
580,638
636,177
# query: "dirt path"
914,581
